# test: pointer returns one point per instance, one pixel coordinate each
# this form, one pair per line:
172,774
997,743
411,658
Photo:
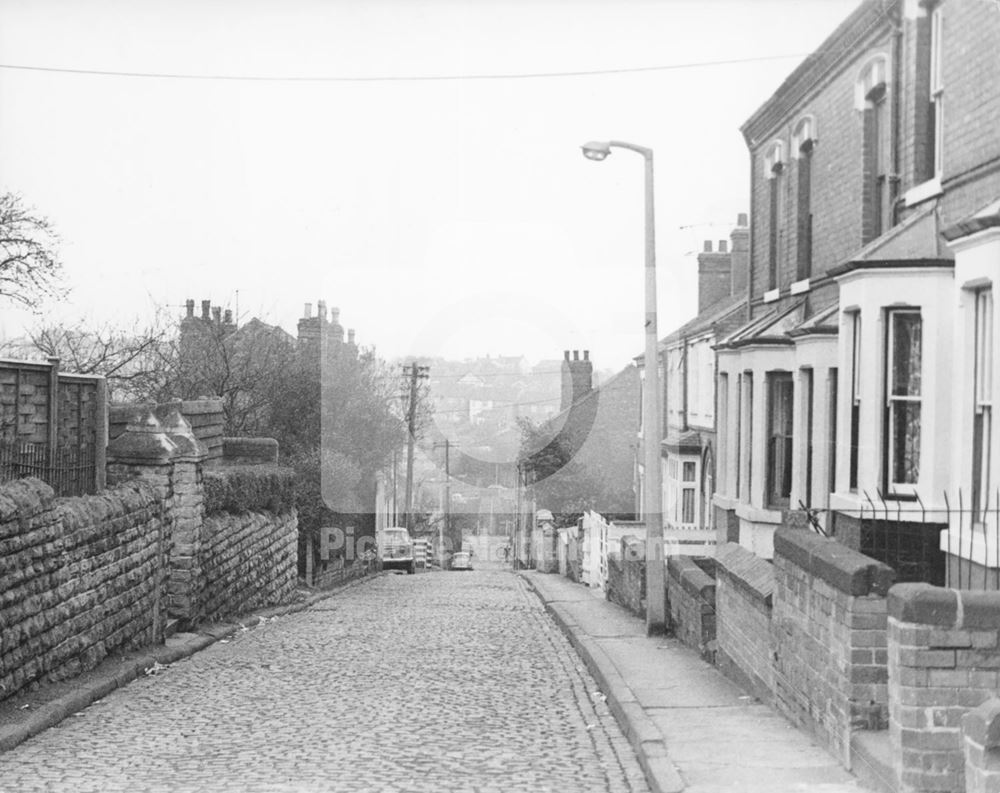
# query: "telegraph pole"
447,500
415,373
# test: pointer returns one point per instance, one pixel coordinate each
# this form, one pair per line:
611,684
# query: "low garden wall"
691,603
627,575
829,638
744,593
944,661
79,578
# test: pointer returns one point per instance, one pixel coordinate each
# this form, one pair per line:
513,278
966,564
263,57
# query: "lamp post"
651,416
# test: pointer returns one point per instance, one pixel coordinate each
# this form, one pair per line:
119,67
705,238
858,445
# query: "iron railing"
69,471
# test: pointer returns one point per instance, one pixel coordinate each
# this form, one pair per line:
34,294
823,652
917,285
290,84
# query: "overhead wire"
259,78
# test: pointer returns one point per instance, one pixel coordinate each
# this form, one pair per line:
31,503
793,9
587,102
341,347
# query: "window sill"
923,192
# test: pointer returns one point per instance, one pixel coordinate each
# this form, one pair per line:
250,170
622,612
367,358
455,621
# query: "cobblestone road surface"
432,682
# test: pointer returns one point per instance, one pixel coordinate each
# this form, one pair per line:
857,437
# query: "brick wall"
836,192
744,589
944,660
829,638
81,577
627,575
691,601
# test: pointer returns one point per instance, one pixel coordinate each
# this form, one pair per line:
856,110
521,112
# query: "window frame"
893,403
774,162
803,146
982,401
779,464
936,86
855,404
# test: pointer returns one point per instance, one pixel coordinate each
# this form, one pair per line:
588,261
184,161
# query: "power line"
260,78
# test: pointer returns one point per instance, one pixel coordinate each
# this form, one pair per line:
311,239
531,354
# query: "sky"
415,163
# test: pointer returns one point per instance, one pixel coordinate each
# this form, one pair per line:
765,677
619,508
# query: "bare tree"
29,269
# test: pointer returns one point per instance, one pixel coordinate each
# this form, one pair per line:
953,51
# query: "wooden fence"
53,426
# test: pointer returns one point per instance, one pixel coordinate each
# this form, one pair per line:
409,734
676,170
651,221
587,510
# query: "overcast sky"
418,179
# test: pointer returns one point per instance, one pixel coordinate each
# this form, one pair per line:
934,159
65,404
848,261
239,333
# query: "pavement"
440,681
692,728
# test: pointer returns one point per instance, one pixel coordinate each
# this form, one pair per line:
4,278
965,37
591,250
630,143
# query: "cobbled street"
428,682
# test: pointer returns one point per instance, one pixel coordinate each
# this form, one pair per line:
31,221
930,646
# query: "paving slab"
693,729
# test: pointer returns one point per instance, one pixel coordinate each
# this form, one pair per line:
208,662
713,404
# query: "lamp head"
596,150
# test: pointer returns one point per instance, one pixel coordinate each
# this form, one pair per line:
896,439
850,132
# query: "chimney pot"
723,244
708,246
206,309
189,304
576,355
586,355
350,336
227,317
217,314
566,355
321,309
307,312
334,315
741,219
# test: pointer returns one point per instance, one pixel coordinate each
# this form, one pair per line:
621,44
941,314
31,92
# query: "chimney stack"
217,314
321,309
740,247
577,378
189,305
227,317
206,310
714,275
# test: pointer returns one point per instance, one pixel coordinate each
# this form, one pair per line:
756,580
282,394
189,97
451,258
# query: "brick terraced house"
859,393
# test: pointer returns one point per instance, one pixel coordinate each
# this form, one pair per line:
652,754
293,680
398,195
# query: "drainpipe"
684,384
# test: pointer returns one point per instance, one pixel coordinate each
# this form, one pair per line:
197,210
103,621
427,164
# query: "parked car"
395,550
461,560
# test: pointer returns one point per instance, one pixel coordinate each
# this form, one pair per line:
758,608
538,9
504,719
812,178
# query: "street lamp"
651,417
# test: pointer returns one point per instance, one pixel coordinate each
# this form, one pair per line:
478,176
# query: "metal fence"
68,471
906,535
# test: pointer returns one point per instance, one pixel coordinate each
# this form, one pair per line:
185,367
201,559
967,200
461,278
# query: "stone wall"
79,578
944,661
829,638
247,561
744,592
691,602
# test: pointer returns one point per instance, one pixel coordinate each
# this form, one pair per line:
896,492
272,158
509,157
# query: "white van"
395,550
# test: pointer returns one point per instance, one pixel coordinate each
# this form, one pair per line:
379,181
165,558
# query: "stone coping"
249,450
844,569
982,724
693,580
953,608
749,572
